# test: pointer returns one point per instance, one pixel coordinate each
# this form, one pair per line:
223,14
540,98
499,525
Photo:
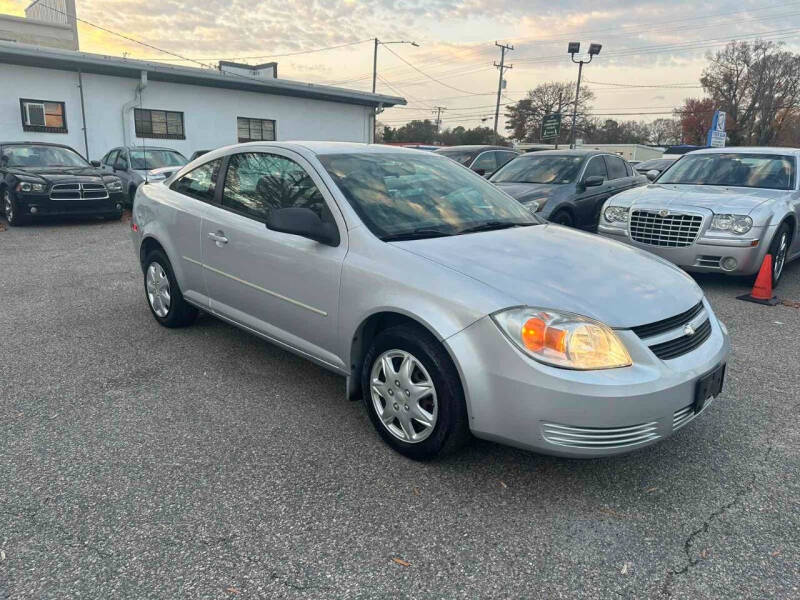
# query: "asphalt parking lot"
139,462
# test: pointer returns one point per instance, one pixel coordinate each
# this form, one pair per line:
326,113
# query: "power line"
271,55
426,75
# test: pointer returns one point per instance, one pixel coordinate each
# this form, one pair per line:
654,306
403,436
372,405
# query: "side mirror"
303,222
481,172
652,174
95,163
593,181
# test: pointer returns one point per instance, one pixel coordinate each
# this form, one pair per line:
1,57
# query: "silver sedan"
717,210
447,305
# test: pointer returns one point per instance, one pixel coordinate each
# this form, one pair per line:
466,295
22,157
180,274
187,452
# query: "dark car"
38,179
654,164
484,160
198,154
136,164
567,186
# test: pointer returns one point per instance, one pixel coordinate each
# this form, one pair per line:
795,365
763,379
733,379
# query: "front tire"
413,394
163,295
562,217
11,210
779,249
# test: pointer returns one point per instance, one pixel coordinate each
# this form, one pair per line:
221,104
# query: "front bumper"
40,205
515,400
707,253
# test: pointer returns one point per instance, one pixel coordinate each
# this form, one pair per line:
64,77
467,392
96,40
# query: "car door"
109,160
589,199
284,286
122,168
485,163
619,177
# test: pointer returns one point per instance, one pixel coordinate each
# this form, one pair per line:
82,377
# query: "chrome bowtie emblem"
663,212
689,330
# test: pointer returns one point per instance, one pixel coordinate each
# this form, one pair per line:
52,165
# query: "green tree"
524,118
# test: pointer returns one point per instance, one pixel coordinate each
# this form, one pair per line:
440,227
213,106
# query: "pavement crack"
703,529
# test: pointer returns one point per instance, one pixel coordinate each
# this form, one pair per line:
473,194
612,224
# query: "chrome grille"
78,191
682,417
595,437
671,230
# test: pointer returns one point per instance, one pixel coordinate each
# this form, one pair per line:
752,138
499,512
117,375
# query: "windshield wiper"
416,234
492,226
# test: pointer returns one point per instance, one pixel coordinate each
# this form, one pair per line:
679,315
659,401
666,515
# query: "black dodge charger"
38,179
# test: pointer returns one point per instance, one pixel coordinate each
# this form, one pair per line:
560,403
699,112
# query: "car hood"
716,199
525,192
57,174
555,267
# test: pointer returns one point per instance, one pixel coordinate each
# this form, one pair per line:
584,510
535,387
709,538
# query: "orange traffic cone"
762,289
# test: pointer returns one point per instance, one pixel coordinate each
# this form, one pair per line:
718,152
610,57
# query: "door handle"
218,237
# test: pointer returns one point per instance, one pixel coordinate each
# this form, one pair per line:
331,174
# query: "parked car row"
449,307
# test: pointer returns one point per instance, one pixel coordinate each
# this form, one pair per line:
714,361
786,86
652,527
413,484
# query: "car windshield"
400,195
465,157
657,163
540,169
41,156
153,159
770,171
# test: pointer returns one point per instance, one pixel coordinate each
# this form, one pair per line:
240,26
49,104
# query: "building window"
158,124
43,115
255,130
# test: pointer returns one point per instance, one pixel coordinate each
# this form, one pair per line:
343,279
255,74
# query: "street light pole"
573,49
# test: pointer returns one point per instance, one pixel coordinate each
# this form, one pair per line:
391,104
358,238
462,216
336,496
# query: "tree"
757,84
665,132
479,135
524,118
422,132
695,116
614,132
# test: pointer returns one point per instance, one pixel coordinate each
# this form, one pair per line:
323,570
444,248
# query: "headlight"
29,187
738,224
616,214
563,339
535,205
114,185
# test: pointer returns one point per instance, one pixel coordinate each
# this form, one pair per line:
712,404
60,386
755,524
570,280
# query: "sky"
653,52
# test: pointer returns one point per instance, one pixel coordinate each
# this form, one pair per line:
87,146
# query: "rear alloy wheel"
11,211
779,249
562,217
163,294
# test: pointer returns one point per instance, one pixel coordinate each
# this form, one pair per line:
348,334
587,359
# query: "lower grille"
78,191
593,437
708,261
682,417
681,345
671,230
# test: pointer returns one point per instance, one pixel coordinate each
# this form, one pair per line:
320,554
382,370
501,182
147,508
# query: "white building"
93,103
46,23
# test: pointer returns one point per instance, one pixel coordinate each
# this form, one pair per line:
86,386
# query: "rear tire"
562,217
163,295
420,412
779,249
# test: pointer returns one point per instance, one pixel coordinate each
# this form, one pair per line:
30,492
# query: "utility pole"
503,67
375,76
560,99
438,110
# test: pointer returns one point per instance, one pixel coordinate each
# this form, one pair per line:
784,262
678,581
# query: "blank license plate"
708,386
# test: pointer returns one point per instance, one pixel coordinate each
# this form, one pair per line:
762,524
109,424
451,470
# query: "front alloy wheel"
404,396
780,256
9,209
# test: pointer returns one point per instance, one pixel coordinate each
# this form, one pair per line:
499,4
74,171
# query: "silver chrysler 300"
449,307
717,210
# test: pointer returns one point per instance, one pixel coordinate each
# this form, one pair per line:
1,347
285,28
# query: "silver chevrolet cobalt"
449,307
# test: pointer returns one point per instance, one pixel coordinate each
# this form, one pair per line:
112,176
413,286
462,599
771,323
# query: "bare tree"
524,119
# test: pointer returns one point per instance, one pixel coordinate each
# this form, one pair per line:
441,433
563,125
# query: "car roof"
30,143
573,152
144,147
475,147
748,150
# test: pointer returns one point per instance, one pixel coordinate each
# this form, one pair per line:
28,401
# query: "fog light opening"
729,263
34,210
119,206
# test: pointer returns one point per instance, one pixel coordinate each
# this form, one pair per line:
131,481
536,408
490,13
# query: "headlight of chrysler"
30,188
535,205
737,224
563,339
114,185
616,214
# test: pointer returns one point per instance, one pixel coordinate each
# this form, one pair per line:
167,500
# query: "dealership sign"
551,126
716,135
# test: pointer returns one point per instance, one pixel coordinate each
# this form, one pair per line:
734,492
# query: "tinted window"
465,157
504,157
111,157
628,168
146,159
398,194
41,156
199,183
540,168
616,167
258,182
736,170
596,167
122,160
486,162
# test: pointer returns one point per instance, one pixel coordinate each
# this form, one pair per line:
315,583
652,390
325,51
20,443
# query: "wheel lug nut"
408,393
396,407
397,383
406,407
391,392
